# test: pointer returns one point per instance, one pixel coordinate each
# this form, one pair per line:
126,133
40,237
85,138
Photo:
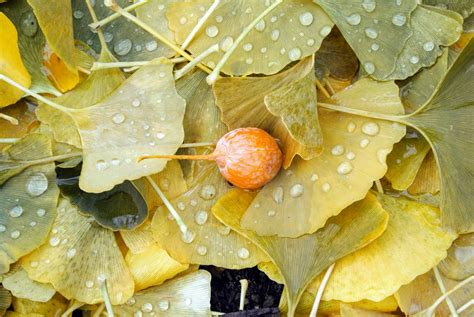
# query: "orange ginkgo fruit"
247,157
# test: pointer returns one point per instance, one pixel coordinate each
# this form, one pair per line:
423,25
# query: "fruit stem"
320,292
98,24
10,119
211,79
183,71
208,157
200,23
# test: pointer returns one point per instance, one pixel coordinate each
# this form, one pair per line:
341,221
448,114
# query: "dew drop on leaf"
36,184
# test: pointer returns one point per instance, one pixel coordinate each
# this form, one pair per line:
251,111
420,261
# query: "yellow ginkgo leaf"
310,192
27,121
291,31
350,311
427,179
152,267
58,73
25,307
21,286
459,264
412,244
5,300
11,63
78,258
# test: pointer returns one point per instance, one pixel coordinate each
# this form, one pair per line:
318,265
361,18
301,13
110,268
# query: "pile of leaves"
371,101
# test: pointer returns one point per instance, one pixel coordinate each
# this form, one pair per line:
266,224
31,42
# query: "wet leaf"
406,159
27,201
189,295
445,122
152,267
310,192
427,178
77,259
11,64
22,286
291,31
362,222
350,311
24,307
128,124
413,243
241,101
459,264
5,300
463,7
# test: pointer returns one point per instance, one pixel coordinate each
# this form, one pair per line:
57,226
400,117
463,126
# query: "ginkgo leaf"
5,300
25,307
310,192
27,122
78,258
432,27
350,311
140,239
459,264
406,159
241,101
28,202
58,73
427,178
99,85
141,117
10,63
463,7
189,295
413,243
368,26
446,123
152,267
21,286
291,31
208,242
360,224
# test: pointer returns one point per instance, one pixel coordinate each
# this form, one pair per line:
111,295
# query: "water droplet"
306,18
16,211
115,162
375,47
247,47
226,43
15,234
370,128
40,212
326,187
350,156
181,205
101,277
219,19
249,61
201,250
188,301
369,5
3,228
344,168
89,284
151,46
183,20
108,37
118,118
351,127
428,46
243,253
314,177
369,67
363,143
212,31
36,184
29,24
271,213
414,59
399,19
164,304
260,26
275,35
71,253
123,47
78,14
136,103
353,19
337,150
278,195
188,237
294,54
160,135
371,33
101,165
201,217
208,192
310,42
147,308
54,241
296,190
131,301
33,223
325,30
224,230
34,264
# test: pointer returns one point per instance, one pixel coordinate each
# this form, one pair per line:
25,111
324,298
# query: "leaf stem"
379,186
101,65
207,157
103,44
320,292
182,226
327,83
200,23
363,113
160,37
211,79
442,288
244,285
183,71
465,306
98,24
72,307
105,295
51,158
9,140
10,119
99,310
199,144
322,89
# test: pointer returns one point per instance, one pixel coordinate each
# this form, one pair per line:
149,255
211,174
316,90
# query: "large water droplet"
350,156
122,47
325,30
275,35
294,54
131,301
414,59
296,190
278,195
370,128
375,47
212,31
54,241
337,150
344,168
371,33
16,211
243,253
118,118
201,217
15,234
369,5
399,19
369,67
226,43
36,184
29,24
306,18
351,127
201,250
428,46
147,308
353,19
164,304
3,228
208,192
108,37
314,177
151,46
260,26
188,237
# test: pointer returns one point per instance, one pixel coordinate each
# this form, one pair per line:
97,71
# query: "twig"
200,23
320,292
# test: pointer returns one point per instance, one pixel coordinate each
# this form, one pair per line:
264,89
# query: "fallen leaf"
21,286
459,264
427,178
24,307
350,311
5,300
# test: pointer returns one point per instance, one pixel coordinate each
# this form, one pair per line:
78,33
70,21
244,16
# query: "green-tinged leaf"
241,101
142,116
28,201
459,264
463,7
413,243
360,224
5,300
99,85
121,208
310,192
369,27
446,123
189,295
21,286
427,178
291,31
405,160
432,28
79,256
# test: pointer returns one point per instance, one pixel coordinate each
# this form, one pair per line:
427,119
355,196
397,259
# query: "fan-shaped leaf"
459,264
22,286
25,307
361,223
427,178
310,192
291,31
24,113
350,311
5,300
